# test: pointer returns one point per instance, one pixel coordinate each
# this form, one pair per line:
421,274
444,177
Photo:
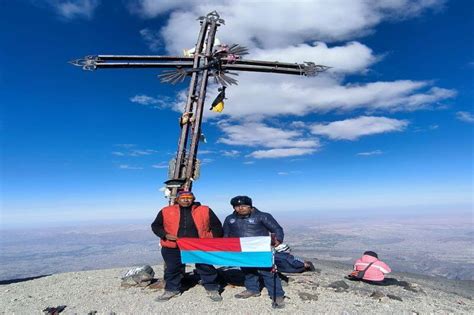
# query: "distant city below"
433,246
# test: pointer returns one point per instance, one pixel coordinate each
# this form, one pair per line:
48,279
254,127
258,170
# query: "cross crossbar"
207,60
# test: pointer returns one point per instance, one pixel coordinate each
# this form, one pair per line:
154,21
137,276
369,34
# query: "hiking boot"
279,302
246,294
166,296
214,295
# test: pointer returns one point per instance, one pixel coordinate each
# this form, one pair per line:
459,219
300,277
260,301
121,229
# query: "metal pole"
181,152
196,133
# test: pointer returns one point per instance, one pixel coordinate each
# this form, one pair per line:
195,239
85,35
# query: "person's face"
185,201
243,209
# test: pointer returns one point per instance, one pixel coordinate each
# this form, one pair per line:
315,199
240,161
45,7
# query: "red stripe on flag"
228,244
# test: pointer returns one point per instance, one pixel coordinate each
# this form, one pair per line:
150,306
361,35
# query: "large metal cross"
208,59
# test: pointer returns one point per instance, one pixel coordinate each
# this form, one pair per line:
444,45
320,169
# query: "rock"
412,287
54,310
377,295
141,276
394,297
339,285
304,296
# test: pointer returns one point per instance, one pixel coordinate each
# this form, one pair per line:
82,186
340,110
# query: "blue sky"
388,129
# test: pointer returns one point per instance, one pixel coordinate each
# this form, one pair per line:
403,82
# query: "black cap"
241,200
371,253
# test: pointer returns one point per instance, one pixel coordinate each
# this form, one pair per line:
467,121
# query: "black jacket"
288,263
257,223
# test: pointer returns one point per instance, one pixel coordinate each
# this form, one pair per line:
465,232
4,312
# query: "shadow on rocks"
190,280
231,276
3,282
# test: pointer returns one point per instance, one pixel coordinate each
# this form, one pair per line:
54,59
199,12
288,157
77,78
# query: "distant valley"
422,246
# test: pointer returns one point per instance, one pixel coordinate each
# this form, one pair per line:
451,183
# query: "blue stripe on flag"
235,259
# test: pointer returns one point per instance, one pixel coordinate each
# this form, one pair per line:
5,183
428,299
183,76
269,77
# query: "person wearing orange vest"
186,218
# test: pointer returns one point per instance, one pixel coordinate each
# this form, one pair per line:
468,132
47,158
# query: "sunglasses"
186,198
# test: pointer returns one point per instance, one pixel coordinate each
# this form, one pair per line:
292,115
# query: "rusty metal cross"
208,59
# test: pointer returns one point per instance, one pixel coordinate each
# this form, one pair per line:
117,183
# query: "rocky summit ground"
323,291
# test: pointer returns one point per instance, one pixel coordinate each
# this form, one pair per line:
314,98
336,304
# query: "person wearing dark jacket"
247,221
288,263
187,218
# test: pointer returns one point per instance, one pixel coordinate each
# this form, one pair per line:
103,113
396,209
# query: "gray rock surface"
309,293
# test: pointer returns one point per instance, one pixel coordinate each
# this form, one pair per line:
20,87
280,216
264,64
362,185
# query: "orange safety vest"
171,217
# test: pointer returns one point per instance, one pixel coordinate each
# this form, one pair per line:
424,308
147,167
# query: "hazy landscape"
429,246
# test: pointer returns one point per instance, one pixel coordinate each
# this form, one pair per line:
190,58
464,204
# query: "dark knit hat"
371,253
241,201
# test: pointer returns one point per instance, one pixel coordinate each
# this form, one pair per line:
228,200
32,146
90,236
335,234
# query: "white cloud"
288,173
133,152
282,143
143,99
259,134
465,116
352,129
125,145
280,153
128,167
249,162
206,152
162,102
152,8
375,152
230,153
206,161
142,152
266,95
298,124
71,9
248,22
152,39
351,58
271,33
161,165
